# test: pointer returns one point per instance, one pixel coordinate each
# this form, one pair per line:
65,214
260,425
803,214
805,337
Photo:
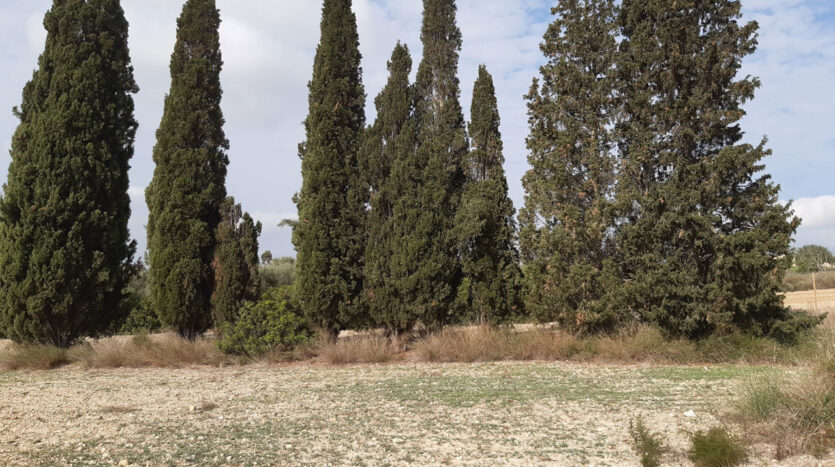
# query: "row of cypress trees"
642,204
407,220
65,253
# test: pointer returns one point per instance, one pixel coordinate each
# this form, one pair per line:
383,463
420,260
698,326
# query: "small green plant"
648,445
274,322
141,319
716,448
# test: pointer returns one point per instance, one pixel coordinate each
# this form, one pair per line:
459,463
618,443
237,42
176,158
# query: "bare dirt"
456,414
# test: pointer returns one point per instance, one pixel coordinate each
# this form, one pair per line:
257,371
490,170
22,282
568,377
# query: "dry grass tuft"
160,351
33,357
359,349
795,415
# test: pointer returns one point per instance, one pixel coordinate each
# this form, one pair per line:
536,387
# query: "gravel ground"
458,414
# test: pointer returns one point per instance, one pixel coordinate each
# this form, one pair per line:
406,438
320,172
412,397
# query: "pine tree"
329,236
188,187
429,260
703,237
485,225
236,276
387,144
65,255
567,219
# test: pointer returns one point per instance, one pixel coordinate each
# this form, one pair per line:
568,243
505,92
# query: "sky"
268,48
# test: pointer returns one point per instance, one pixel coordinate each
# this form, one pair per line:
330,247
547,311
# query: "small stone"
124,463
690,414
192,408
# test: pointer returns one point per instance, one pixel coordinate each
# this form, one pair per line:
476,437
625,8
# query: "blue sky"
268,48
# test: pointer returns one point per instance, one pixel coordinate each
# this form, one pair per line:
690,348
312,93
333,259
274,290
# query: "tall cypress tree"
387,145
65,256
568,216
329,236
485,225
236,263
430,256
703,235
188,187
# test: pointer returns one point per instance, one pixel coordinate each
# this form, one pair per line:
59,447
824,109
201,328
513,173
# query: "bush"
716,448
145,351
801,282
274,322
648,445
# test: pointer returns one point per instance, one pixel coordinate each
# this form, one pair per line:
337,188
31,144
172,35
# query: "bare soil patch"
419,414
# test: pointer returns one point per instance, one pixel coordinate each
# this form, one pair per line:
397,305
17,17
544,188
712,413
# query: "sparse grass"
648,445
33,357
359,349
716,448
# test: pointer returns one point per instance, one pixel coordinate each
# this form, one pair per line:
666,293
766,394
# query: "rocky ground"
457,414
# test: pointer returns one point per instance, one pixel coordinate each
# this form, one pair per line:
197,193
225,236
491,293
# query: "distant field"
455,414
806,300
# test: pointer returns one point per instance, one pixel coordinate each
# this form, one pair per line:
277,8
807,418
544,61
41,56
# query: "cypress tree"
567,220
485,223
236,275
703,236
388,143
329,236
429,252
65,255
188,187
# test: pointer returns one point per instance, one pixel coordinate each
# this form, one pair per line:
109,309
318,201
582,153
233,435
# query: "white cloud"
816,212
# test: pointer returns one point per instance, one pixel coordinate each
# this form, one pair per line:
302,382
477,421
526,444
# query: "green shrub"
141,319
648,445
274,322
716,448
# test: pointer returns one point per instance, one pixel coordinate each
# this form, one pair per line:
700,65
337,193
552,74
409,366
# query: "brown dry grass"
359,349
161,351
642,344
141,351
32,357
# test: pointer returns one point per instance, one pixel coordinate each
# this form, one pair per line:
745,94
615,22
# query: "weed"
717,448
648,445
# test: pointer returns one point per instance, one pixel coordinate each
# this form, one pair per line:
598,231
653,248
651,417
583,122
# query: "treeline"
642,204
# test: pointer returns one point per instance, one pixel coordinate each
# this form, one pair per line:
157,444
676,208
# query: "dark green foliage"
137,313
567,220
189,182
485,225
648,445
703,239
236,263
813,258
277,273
267,257
329,235
427,262
65,256
716,448
388,144
273,322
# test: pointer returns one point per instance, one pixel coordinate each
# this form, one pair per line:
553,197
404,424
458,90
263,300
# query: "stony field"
421,414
